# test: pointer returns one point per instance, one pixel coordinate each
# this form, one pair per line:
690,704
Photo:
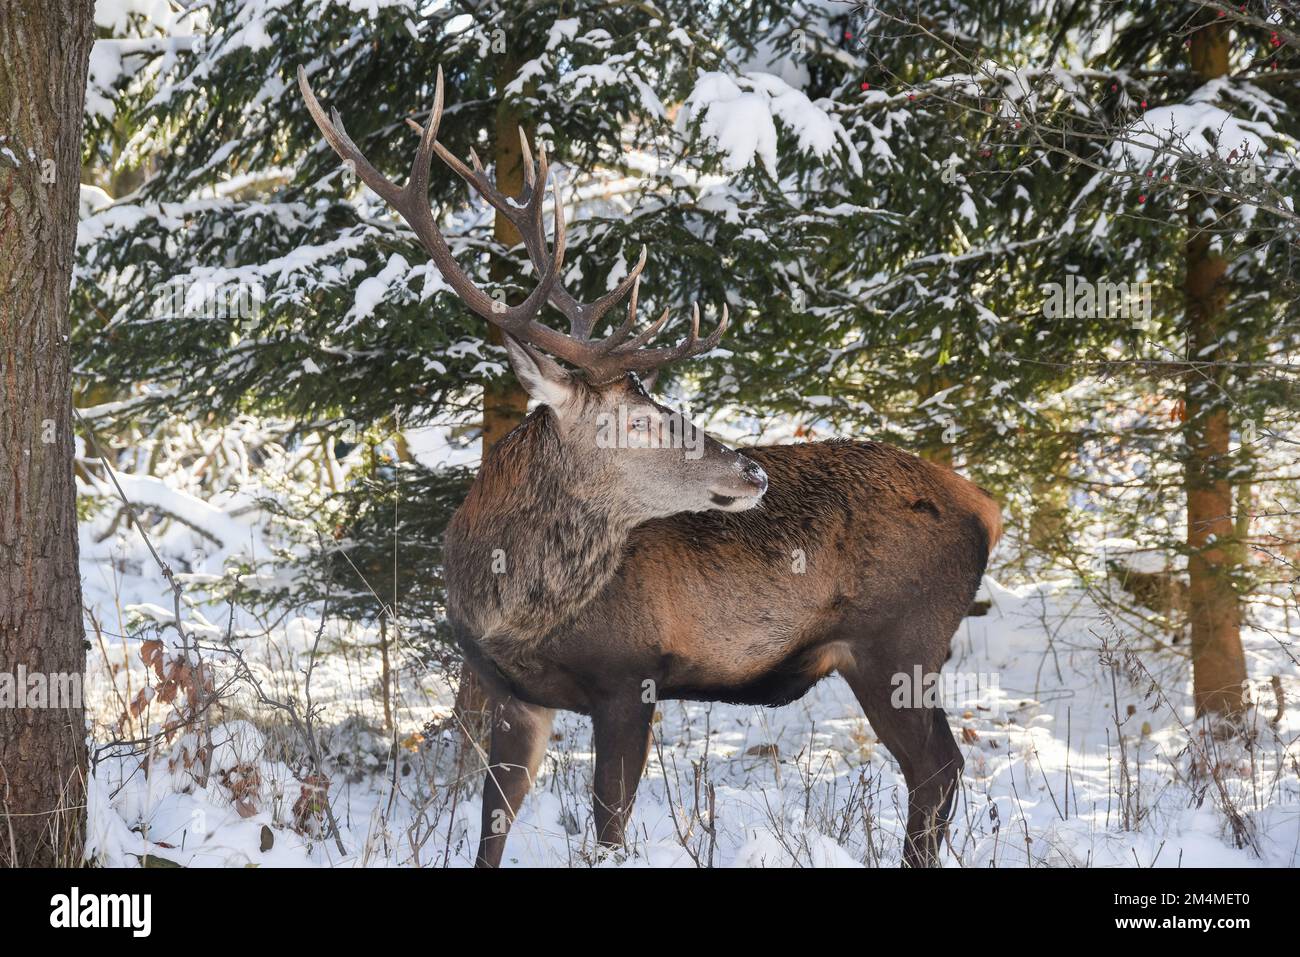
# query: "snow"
211,522
793,786
680,36
785,785
373,289
805,785
112,61
739,115
140,28
1197,127
967,209
561,30
1201,128
116,15
92,200
105,68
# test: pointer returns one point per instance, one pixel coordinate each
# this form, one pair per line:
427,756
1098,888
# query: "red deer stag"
601,572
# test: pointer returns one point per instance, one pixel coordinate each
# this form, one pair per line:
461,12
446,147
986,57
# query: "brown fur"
588,572
860,559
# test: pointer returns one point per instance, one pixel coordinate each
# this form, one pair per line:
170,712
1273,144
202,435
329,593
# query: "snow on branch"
739,115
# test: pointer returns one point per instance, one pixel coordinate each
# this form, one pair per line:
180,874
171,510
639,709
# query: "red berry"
1142,199
866,85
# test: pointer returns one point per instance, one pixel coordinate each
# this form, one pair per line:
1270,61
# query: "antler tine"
635,359
647,335
616,338
526,158
412,202
603,359
716,337
475,177
342,144
684,348
528,220
711,343
550,275
524,326
418,183
585,317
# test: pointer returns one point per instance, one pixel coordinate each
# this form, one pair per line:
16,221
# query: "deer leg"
923,745
622,733
519,735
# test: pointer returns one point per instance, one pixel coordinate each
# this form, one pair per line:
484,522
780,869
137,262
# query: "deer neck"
535,540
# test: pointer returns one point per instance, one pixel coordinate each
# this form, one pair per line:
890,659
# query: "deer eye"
640,423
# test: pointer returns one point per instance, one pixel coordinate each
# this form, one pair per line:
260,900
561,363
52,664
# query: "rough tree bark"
935,446
44,53
1218,663
505,403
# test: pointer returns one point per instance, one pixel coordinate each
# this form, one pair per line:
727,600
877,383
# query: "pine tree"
246,271
892,207
1002,164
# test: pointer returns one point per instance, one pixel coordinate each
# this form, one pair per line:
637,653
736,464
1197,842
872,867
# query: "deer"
610,555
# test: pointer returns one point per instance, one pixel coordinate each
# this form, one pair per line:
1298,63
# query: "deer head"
616,441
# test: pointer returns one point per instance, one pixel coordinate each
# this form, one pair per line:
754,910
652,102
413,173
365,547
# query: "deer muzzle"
741,491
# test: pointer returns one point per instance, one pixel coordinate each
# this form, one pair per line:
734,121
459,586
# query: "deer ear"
541,376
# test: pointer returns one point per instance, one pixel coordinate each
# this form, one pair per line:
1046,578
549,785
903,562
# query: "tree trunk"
935,445
1218,663
1049,509
44,56
505,403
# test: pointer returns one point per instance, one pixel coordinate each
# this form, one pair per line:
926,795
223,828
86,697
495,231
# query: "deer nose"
753,474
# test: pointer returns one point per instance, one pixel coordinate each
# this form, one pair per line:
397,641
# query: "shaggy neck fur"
535,540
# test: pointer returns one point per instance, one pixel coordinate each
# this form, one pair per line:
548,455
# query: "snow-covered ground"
1055,684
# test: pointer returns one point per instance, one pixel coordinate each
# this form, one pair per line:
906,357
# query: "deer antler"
601,359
